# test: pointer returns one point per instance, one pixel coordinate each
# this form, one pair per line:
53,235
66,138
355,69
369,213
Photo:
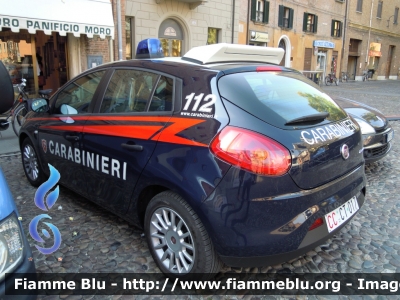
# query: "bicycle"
367,75
18,117
345,77
331,78
16,105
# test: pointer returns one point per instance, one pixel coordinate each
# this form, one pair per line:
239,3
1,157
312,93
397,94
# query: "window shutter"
341,28
266,12
291,13
333,28
280,16
305,19
315,23
253,9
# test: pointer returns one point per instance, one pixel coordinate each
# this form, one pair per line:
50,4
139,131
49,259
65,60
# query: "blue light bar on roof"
149,48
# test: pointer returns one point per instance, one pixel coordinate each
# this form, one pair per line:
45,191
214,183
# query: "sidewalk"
8,142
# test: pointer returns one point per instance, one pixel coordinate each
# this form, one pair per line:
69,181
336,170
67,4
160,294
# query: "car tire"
30,164
174,230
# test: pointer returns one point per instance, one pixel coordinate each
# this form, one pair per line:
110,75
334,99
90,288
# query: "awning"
90,17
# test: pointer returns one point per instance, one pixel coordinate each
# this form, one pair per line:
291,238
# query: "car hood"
6,89
364,112
6,200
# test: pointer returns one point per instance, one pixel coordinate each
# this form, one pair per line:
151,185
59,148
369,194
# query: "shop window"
396,15
359,5
310,22
379,12
212,36
260,11
129,35
285,19
18,58
336,29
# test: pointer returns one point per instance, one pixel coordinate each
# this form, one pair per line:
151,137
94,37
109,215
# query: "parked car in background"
15,252
375,128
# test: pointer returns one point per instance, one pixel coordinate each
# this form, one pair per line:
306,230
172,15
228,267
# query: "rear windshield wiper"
310,118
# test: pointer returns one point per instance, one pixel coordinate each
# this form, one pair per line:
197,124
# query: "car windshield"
279,97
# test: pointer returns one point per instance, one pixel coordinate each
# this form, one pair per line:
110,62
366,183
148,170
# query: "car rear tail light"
318,222
269,68
251,151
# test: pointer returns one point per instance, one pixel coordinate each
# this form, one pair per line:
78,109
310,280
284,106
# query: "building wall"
297,40
148,16
368,28
93,47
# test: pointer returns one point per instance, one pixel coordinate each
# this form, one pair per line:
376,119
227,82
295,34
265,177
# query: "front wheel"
30,162
177,239
328,80
18,118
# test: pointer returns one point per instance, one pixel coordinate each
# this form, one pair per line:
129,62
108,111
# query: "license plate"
341,214
389,136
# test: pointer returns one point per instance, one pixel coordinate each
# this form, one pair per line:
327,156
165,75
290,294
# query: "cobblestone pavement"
94,240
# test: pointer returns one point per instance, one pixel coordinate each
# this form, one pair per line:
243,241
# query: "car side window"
163,95
128,91
76,97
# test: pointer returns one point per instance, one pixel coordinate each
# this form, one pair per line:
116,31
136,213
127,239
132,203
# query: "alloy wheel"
30,162
172,240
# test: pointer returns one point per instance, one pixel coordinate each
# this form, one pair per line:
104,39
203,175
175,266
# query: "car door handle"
130,147
72,137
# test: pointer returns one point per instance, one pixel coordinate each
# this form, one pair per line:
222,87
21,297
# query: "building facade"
310,31
179,24
372,40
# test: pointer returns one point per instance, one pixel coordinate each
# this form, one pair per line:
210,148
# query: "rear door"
60,135
121,136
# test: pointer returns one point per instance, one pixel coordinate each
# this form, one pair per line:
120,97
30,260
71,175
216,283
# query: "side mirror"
39,105
68,110
4,124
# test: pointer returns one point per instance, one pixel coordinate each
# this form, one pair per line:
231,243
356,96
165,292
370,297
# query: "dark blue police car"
221,155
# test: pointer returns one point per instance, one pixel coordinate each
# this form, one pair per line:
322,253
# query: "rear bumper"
249,230
311,240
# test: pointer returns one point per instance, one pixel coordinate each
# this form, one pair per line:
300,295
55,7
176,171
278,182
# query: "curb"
10,154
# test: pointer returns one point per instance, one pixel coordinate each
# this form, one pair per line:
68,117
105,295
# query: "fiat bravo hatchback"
221,155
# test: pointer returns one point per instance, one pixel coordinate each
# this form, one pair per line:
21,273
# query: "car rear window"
278,97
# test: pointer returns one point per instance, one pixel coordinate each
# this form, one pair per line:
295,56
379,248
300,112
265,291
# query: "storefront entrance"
51,51
34,42
38,58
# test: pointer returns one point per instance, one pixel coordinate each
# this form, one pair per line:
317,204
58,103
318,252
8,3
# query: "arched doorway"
284,43
283,46
170,34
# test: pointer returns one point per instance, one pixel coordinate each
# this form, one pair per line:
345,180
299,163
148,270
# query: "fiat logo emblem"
345,151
